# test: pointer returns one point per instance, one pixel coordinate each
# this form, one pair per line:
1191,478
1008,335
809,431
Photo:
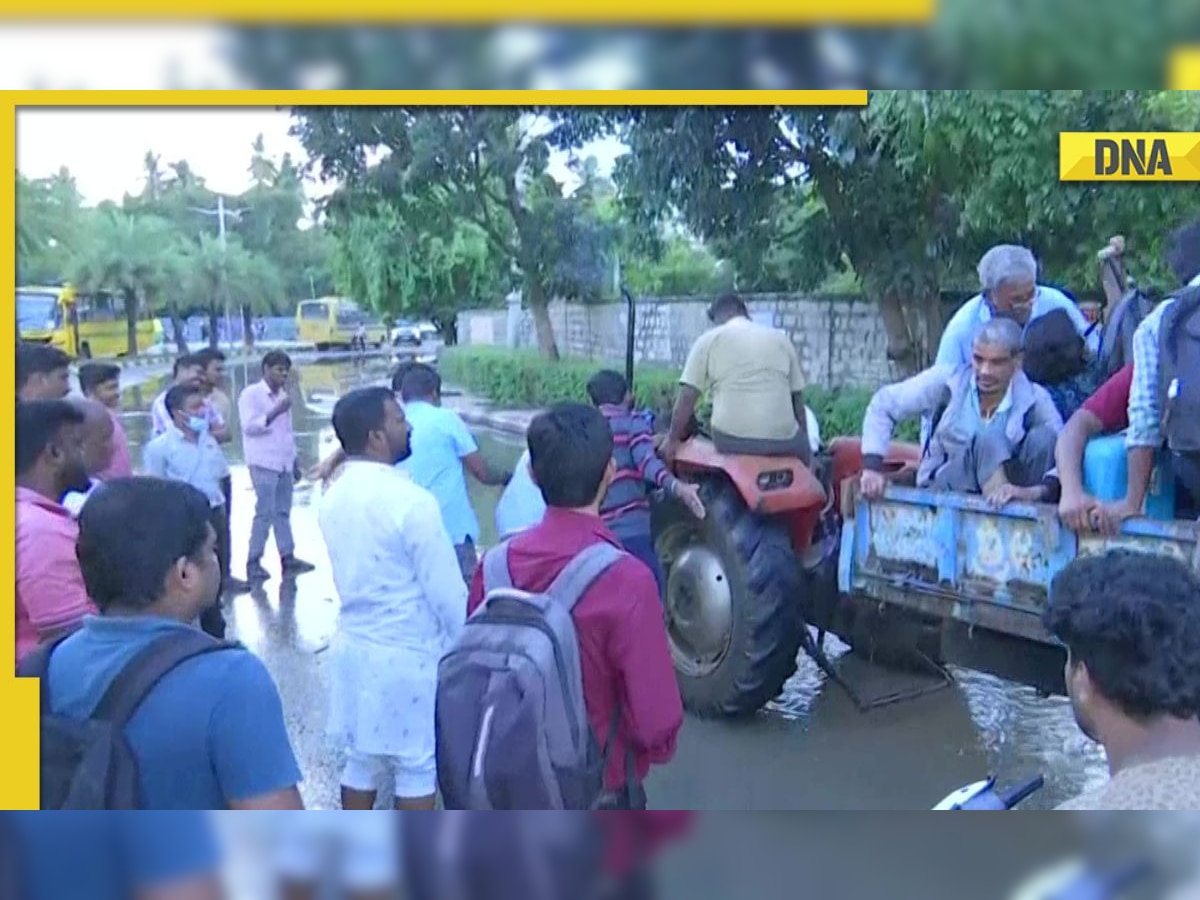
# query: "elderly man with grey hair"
993,430
1008,289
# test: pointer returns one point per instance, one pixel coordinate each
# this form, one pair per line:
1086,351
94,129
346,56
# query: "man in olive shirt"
757,387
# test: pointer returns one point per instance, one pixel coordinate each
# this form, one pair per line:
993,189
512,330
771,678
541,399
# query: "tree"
134,257
487,166
388,257
51,224
216,274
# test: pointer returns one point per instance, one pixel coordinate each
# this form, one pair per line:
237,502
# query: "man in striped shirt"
626,506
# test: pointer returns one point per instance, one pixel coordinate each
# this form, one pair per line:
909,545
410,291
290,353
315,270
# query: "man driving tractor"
757,388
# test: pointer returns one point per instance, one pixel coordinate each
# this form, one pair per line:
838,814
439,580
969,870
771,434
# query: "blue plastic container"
1106,472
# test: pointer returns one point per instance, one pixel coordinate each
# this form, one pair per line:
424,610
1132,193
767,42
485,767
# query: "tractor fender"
768,485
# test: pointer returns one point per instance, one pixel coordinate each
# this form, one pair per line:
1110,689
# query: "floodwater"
811,749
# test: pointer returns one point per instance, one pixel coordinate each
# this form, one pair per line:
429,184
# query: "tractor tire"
733,616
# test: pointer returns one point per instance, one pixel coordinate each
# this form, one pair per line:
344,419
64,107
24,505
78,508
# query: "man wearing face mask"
403,605
189,453
51,597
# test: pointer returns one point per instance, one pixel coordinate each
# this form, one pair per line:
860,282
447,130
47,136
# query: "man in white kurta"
403,604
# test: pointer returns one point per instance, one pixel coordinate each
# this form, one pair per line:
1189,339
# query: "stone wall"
841,341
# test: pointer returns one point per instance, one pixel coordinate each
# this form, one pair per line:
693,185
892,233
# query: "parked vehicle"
81,325
330,322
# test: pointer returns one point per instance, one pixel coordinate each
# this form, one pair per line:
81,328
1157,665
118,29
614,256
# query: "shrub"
519,378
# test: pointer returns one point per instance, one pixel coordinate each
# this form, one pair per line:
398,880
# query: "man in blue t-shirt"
443,451
121,855
211,733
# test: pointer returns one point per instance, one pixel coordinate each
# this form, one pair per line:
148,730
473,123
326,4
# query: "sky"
104,148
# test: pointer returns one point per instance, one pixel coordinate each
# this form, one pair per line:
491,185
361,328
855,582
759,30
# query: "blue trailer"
975,578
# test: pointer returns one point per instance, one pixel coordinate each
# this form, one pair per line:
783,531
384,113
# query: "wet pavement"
812,748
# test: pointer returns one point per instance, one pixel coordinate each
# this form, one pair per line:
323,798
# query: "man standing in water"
269,445
403,605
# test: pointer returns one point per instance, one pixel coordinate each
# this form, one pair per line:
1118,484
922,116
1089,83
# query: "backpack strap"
496,575
1186,305
36,664
579,574
139,676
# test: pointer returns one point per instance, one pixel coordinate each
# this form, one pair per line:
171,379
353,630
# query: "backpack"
1179,378
1116,345
512,727
89,764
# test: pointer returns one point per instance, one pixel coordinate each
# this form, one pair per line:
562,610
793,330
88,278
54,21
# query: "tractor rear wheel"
732,609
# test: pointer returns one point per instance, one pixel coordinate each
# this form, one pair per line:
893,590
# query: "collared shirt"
626,506
267,446
622,640
394,566
161,422
973,412
50,592
960,331
440,439
210,732
121,463
753,371
199,463
1145,414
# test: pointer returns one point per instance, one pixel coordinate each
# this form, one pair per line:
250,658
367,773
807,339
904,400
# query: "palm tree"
131,256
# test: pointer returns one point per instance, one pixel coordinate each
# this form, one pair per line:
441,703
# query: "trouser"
797,445
212,619
1025,465
468,559
627,798
272,510
1187,485
642,547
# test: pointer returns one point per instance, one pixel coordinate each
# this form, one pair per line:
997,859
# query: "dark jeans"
796,446
1187,486
212,620
642,547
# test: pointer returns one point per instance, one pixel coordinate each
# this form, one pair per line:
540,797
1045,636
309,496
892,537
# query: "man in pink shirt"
269,446
51,597
101,382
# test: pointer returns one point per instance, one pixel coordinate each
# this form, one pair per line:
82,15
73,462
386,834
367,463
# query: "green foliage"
486,166
524,380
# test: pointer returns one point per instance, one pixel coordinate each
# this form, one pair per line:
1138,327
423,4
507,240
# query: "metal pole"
224,275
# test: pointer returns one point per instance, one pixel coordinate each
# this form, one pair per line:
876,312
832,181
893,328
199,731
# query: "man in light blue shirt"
1009,288
443,450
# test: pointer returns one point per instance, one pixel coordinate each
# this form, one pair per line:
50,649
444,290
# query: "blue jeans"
642,547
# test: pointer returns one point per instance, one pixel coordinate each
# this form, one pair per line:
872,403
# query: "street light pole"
221,212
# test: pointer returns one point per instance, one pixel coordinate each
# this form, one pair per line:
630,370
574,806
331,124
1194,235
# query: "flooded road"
812,748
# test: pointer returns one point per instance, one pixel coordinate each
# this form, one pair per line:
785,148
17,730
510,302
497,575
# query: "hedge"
520,378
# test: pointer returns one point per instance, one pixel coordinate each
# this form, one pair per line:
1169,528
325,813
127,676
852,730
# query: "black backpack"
1116,346
1179,375
88,764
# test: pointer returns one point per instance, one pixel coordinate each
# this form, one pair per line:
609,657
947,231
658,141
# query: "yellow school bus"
333,321
81,325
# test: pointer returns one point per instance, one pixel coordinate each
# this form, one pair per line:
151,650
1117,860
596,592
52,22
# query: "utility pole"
221,212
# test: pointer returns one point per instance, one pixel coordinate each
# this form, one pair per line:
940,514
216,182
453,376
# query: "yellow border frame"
18,697
475,12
